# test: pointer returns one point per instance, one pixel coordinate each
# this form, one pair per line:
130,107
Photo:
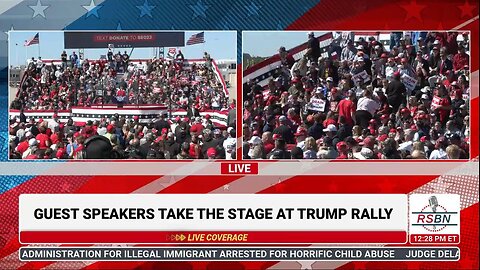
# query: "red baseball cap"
368,142
384,55
211,152
207,116
277,137
405,110
301,131
396,74
341,144
382,137
372,121
136,117
164,130
110,128
384,116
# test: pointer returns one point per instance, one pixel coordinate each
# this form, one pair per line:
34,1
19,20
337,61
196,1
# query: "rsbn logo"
434,217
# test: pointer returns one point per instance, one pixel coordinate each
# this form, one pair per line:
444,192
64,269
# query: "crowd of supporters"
51,86
174,83
365,100
121,138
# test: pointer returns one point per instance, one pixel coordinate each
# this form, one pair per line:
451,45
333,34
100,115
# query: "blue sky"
220,45
260,43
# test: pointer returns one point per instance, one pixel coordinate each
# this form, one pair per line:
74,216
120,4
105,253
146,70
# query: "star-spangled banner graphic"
196,39
240,15
32,41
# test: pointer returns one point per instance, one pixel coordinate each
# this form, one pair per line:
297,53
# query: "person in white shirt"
230,144
300,137
53,124
300,66
440,149
390,69
366,108
39,64
408,144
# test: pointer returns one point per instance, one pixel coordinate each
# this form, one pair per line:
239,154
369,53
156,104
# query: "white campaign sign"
317,104
409,82
361,76
435,102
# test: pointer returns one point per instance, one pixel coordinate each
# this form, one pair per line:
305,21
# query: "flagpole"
38,44
39,55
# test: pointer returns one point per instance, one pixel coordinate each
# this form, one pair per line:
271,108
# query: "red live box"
239,168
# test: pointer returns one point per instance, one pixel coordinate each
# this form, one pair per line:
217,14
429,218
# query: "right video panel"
356,95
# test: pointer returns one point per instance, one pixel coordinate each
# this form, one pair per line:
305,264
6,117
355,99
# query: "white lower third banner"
213,218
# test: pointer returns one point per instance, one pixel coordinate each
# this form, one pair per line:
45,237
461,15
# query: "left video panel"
122,95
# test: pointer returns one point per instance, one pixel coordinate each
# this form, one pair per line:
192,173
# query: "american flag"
196,39
33,41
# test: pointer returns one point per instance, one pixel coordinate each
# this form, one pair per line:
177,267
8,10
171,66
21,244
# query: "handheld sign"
409,82
317,104
362,76
435,102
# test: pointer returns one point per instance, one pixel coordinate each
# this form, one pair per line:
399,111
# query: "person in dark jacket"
396,92
284,130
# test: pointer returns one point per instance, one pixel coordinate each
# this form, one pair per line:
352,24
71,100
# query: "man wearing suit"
444,64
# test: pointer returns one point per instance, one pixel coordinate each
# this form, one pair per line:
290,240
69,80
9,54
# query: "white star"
146,9
306,265
38,10
440,186
253,9
226,187
92,9
11,29
199,9
119,27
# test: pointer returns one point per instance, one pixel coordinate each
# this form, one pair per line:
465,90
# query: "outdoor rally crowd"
84,83
364,101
